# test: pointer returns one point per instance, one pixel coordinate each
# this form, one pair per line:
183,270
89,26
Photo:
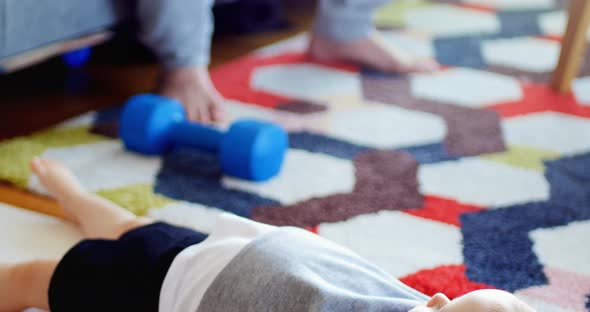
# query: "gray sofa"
34,30
30,24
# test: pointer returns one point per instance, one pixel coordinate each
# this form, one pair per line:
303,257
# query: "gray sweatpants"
179,31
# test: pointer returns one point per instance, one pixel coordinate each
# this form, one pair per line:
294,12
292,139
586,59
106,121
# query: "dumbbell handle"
196,135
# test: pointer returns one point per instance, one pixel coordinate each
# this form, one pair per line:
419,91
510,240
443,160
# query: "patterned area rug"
475,176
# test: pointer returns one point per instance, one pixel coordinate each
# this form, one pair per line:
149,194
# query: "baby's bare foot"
56,178
194,89
370,51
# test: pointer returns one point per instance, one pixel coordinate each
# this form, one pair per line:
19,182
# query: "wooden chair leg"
572,46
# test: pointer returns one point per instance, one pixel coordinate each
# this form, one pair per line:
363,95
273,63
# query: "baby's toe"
38,166
53,165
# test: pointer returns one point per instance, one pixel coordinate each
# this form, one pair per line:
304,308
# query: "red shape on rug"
477,7
442,210
313,229
550,38
448,279
232,79
541,98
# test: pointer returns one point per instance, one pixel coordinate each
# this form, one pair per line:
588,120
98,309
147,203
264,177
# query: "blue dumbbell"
250,149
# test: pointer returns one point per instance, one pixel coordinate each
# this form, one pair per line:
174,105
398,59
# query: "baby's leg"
97,217
25,285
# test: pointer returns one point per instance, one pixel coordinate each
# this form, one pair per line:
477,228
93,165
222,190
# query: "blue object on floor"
77,58
250,149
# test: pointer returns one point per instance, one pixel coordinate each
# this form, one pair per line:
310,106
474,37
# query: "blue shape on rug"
429,153
374,73
570,179
106,121
317,143
496,244
191,175
464,51
497,250
520,23
108,115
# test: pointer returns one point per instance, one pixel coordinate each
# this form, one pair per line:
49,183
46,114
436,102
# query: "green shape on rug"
137,198
393,13
64,137
15,154
523,157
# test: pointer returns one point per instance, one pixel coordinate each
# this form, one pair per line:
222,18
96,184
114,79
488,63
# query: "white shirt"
195,268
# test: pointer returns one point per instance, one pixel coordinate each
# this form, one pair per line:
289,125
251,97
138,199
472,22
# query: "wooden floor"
46,94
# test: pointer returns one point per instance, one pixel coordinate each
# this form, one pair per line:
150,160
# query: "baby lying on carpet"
130,263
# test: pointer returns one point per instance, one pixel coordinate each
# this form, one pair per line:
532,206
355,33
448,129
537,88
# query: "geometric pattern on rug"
385,180
509,261
474,176
470,131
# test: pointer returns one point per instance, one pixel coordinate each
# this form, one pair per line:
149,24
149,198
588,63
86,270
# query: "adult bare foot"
370,51
192,86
